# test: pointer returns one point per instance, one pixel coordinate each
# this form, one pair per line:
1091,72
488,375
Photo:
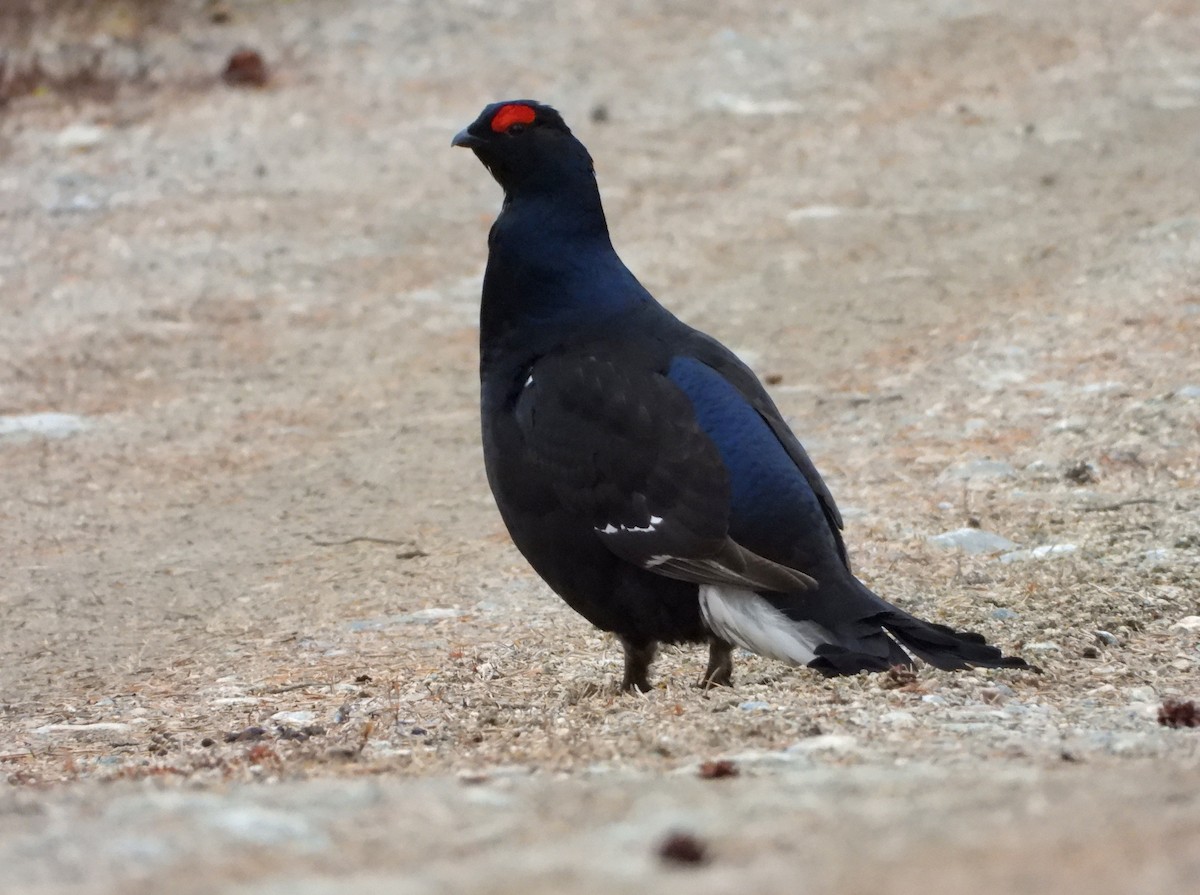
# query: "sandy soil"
962,240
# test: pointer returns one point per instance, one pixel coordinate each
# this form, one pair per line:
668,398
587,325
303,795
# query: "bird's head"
527,147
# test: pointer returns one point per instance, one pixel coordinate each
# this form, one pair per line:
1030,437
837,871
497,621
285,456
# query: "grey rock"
420,617
1158,555
1141,694
826,742
971,540
260,825
1004,614
1071,424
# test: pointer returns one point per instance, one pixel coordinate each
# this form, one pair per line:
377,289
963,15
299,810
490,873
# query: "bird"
640,467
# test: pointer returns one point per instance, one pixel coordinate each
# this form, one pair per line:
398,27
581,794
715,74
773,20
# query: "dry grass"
518,680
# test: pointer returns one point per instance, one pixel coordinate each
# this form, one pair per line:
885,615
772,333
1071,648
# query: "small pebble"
1044,646
80,137
754,706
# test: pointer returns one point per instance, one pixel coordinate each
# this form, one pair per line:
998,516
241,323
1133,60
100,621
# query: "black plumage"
639,466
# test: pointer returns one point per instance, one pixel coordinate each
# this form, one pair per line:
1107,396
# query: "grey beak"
465,139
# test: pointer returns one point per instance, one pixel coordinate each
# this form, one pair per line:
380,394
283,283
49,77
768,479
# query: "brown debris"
249,734
1173,713
715,770
683,848
898,677
245,68
1081,473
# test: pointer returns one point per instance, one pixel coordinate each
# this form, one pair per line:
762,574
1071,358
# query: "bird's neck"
551,266
565,209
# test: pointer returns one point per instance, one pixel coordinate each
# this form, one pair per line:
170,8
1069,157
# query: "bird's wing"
715,355
775,509
621,446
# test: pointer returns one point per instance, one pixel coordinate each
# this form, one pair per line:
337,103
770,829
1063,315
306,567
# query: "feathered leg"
638,657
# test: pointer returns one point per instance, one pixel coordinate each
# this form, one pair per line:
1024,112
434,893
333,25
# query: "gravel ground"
260,627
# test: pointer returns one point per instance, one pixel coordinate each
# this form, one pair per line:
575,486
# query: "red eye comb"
513,113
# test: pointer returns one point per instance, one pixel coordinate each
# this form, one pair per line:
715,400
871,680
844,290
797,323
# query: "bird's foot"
720,665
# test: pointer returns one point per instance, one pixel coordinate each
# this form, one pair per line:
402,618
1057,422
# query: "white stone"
299,717
1189,623
816,212
257,825
971,540
46,425
80,137
1045,551
96,727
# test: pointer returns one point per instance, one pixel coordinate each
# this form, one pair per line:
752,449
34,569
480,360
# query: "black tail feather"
866,633
834,659
945,648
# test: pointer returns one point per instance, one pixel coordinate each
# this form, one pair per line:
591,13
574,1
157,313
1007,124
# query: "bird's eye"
514,129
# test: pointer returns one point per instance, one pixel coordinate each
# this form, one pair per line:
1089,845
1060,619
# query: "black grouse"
640,467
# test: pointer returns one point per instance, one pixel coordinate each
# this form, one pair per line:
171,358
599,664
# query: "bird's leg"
638,657
720,664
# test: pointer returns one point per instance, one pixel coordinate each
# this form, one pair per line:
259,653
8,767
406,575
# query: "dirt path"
965,247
